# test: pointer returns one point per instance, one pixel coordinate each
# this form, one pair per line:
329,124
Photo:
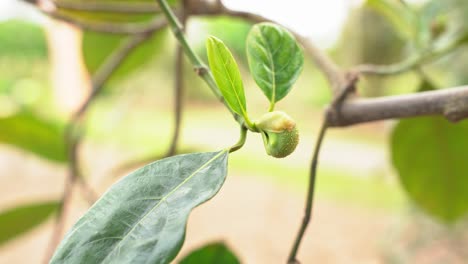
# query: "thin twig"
63,207
310,194
112,7
240,143
73,136
178,87
439,50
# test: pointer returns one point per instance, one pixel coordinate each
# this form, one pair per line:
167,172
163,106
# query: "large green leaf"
214,253
227,75
19,220
34,134
275,59
429,154
142,218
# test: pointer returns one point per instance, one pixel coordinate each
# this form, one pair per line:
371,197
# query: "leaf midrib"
162,200
270,60
230,79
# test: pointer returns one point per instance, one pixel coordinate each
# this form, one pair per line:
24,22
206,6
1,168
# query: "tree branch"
178,87
451,103
112,7
292,259
104,27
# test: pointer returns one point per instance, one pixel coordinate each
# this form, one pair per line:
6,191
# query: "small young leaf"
19,220
31,133
142,218
214,253
227,75
429,154
275,59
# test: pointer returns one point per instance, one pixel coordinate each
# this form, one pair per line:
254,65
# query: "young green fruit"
279,133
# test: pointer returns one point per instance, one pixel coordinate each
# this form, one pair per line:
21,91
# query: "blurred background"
362,214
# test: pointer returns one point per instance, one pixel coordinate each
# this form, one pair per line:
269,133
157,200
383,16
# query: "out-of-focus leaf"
275,59
19,220
227,75
214,253
142,218
33,134
93,16
429,154
368,37
98,46
22,39
399,15
233,31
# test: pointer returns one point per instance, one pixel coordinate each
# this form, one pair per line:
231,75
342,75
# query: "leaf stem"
241,142
310,194
272,107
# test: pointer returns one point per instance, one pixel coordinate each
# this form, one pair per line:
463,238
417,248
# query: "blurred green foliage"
232,31
214,253
21,39
34,134
16,221
97,47
108,17
429,154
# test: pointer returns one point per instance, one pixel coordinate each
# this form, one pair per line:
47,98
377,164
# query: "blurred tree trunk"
70,79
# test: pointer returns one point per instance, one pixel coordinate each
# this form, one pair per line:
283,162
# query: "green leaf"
401,17
97,47
429,154
34,134
19,220
227,75
22,39
142,218
214,253
275,59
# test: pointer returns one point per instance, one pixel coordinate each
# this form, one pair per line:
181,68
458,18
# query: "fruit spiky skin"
279,133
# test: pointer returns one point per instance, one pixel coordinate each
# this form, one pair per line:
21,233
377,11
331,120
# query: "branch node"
456,110
200,70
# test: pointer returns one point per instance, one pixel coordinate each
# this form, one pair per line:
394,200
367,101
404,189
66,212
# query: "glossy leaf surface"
275,59
142,218
227,75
